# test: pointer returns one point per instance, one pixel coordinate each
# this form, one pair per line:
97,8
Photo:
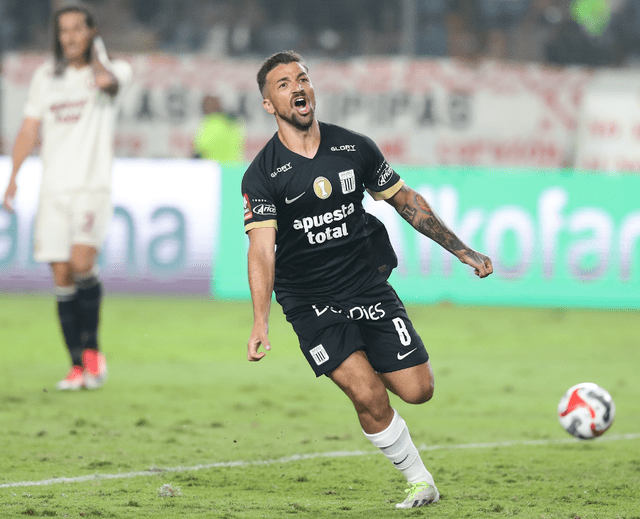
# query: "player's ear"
268,106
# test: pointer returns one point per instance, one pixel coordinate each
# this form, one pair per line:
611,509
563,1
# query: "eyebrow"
286,78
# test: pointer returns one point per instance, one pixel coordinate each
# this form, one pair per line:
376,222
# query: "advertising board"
162,235
555,239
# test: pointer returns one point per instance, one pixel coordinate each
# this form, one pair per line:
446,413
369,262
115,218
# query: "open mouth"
301,105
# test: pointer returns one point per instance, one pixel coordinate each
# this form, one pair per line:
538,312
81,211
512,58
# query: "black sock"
89,298
67,314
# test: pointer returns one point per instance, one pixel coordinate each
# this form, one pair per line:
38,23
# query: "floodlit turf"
186,427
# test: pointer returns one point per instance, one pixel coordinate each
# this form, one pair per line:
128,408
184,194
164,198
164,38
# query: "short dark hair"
57,46
279,58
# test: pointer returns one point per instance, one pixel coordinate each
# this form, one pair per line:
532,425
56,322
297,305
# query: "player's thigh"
326,335
359,381
53,228
91,215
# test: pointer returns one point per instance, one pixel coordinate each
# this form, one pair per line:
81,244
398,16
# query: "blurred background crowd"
560,32
515,83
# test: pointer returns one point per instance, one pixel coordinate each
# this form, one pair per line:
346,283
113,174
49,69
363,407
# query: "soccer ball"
586,410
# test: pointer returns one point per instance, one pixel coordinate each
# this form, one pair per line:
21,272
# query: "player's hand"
9,196
480,263
99,51
104,80
259,337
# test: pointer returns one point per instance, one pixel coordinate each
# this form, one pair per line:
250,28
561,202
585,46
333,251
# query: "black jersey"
327,245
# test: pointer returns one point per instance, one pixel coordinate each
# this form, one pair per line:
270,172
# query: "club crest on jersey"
319,354
347,181
322,188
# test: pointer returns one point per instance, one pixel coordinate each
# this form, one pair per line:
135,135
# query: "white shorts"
67,219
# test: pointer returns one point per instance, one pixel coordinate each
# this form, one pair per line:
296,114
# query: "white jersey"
78,123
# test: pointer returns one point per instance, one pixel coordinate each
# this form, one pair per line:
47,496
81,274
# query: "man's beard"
297,122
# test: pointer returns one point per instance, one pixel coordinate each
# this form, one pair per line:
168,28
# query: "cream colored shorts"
67,219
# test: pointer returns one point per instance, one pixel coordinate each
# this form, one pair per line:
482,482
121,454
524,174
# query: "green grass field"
183,408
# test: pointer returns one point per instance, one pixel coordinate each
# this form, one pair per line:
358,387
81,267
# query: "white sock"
396,444
65,293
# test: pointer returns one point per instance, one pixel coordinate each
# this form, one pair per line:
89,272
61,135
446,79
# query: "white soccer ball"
586,411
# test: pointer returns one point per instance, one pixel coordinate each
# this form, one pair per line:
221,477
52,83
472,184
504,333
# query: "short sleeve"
36,98
123,73
259,203
381,181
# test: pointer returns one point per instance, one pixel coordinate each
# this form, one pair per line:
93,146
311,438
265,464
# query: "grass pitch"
186,427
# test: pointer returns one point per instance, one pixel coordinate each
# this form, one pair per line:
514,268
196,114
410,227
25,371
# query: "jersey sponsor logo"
384,173
322,188
344,147
347,181
371,313
291,200
68,111
247,207
281,169
320,311
319,354
262,209
309,223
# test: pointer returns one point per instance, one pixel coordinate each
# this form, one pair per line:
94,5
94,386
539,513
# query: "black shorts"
375,322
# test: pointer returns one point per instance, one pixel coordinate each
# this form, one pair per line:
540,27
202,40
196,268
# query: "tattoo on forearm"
420,215
408,213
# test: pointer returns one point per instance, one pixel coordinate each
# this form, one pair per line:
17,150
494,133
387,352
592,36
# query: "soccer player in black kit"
328,261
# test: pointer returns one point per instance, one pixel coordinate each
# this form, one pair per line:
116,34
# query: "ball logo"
322,188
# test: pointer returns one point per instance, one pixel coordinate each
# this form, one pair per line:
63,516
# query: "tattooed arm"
415,210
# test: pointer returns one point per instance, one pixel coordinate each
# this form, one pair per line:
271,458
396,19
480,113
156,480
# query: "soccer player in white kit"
72,105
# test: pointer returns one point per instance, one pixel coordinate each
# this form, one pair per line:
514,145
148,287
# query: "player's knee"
82,265
62,275
372,401
63,278
418,394
378,411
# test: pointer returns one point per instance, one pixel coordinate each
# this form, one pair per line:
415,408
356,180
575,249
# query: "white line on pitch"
300,457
